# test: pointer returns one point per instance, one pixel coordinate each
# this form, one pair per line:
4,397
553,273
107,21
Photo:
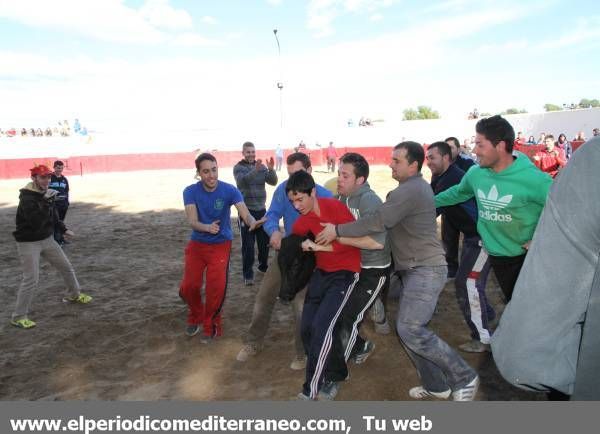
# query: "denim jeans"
264,302
439,367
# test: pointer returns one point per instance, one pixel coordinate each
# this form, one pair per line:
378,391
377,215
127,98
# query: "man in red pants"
208,208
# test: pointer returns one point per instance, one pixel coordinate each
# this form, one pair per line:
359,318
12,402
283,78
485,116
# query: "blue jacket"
282,207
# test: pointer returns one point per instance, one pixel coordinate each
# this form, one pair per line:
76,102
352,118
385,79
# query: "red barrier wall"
81,165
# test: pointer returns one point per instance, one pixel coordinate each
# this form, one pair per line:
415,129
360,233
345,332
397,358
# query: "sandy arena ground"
129,343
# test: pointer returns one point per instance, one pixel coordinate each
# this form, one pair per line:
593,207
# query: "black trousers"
62,206
262,242
507,269
346,338
450,240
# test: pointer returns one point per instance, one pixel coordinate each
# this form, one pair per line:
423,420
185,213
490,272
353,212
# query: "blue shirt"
211,206
282,207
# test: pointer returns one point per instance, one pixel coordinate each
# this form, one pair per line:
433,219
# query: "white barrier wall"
156,141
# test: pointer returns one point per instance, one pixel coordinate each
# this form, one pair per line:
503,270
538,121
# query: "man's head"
596,132
330,144
407,160
300,189
298,161
353,172
519,135
549,142
58,167
438,157
249,152
207,170
454,146
40,175
494,140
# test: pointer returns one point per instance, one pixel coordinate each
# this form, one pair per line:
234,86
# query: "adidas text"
495,216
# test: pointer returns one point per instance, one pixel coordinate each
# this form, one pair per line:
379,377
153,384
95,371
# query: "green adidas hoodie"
509,203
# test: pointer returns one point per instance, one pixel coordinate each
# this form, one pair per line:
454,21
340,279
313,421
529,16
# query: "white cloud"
207,19
160,13
107,20
274,2
195,40
376,17
322,13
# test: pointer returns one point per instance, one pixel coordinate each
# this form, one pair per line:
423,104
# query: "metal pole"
280,82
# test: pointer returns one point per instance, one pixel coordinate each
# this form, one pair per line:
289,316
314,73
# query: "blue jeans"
439,367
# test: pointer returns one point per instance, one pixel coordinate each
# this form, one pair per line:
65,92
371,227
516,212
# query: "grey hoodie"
363,203
408,215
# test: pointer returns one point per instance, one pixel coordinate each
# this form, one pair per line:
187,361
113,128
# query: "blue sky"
214,63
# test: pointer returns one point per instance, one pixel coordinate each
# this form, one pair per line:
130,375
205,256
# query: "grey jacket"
537,343
363,203
251,182
408,214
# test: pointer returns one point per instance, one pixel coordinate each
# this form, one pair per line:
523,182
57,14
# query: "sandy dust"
129,343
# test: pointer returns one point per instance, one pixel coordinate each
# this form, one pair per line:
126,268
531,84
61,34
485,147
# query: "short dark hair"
454,140
300,182
361,167
497,129
301,157
442,147
414,152
58,163
549,136
202,157
247,145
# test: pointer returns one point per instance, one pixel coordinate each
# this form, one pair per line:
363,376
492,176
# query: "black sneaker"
192,329
363,354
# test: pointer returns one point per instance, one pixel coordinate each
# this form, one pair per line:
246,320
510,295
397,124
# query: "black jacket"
296,267
36,215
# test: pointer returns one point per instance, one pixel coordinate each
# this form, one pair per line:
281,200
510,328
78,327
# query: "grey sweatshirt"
363,203
408,215
251,182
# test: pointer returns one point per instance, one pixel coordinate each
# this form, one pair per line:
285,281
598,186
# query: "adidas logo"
492,202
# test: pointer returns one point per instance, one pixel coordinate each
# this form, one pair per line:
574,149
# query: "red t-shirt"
549,162
332,211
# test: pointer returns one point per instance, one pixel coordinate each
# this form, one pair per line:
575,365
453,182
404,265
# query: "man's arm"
456,194
366,243
191,214
244,174
271,175
275,212
245,215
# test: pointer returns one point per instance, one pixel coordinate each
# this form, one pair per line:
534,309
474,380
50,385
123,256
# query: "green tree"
595,103
410,115
585,103
552,108
422,112
427,113
512,111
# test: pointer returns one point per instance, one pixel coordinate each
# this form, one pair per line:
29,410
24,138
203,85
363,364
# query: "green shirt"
509,203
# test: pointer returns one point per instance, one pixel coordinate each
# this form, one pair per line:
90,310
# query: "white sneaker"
247,351
298,363
468,392
420,392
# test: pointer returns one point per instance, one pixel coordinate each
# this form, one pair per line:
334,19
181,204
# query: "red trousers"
214,259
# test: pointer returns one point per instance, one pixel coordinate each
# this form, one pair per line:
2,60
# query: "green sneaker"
81,299
23,323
